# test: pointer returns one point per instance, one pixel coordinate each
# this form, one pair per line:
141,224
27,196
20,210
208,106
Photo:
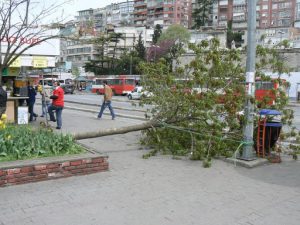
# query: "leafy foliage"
198,104
236,37
114,63
23,142
157,33
175,32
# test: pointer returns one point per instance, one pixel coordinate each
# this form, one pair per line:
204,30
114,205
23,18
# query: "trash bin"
269,127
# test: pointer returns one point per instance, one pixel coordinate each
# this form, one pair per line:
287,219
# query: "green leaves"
22,142
199,103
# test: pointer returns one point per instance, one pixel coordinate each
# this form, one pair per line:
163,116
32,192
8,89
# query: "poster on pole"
22,115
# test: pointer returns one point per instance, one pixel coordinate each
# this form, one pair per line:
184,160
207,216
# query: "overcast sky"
71,9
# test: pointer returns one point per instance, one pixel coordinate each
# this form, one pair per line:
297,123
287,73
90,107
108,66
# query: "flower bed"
28,154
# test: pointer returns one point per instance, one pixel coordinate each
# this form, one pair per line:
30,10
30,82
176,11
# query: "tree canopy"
157,33
175,32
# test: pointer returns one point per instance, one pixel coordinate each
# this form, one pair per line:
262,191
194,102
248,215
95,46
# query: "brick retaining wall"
25,171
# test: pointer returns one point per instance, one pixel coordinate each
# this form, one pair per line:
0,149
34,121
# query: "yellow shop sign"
40,62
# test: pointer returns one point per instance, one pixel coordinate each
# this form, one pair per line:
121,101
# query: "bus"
119,85
265,89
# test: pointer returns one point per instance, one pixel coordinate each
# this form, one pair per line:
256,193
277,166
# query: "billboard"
50,47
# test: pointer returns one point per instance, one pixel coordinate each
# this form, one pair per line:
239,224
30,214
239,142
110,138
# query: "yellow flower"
1,122
8,137
3,117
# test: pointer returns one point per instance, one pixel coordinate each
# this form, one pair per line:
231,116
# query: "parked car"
68,88
138,93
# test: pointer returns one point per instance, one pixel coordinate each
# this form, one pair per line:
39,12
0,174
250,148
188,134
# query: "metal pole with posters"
248,153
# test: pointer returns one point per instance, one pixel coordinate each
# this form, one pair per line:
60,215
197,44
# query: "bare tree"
23,26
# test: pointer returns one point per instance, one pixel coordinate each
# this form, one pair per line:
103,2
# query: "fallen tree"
114,131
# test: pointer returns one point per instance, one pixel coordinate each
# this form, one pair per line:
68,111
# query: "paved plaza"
154,191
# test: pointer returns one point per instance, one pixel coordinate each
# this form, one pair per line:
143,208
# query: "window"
129,81
260,85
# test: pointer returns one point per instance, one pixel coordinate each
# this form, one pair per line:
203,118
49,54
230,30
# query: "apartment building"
270,13
163,12
297,19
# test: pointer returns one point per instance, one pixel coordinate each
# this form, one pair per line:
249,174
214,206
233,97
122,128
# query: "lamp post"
130,69
248,153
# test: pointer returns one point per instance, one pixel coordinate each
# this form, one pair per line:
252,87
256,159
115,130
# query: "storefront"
15,78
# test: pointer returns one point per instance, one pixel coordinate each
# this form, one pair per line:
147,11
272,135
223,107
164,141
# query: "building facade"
163,12
270,13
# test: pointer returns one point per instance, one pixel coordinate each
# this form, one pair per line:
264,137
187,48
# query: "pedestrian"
3,101
31,101
57,104
107,101
46,93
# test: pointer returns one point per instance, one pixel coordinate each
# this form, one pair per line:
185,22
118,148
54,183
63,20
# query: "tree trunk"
113,131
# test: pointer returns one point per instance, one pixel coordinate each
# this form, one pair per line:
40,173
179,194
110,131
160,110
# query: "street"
158,190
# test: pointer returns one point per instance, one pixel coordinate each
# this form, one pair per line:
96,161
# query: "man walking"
107,101
57,104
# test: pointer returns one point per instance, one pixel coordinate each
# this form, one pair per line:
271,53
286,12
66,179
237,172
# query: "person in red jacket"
57,104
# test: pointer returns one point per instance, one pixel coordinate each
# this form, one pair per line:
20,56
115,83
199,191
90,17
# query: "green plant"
23,142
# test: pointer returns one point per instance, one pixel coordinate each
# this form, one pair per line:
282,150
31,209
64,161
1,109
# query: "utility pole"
130,69
248,153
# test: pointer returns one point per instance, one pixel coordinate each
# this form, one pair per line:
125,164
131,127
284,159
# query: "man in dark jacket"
31,101
3,100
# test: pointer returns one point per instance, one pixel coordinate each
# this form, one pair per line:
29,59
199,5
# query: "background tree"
237,37
170,44
22,20
175,32
114,38
201,12
140,47
101,65
157,33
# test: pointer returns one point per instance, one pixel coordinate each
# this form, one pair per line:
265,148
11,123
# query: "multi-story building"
297,19
211,13
89,23
270,13
120,13
100,19
163,12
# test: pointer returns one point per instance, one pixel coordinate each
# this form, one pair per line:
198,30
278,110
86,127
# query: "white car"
138,93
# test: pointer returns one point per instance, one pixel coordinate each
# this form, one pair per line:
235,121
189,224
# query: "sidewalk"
156,191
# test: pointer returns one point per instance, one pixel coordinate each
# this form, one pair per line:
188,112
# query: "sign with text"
32,37
40,62
22,115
